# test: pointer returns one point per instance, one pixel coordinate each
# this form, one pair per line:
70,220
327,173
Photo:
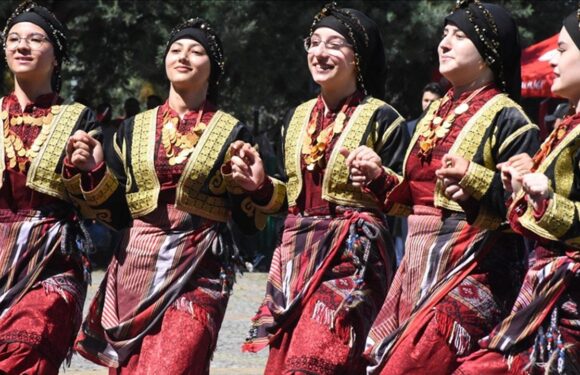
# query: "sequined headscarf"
202,32
364,35
31,12
494,33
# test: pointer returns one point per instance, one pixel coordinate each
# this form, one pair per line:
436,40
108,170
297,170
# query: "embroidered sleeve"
274,201
248,214
477,180
97,195
559,222
511,134
398,199
391,142
100,194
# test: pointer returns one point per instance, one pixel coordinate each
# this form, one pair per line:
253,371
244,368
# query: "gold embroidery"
42,175
102,191
127,167
508,141
190,197
469,140
477,180
250,209
439,127
562,156
73,184
277,200
555,222
144,200
336,187
422,127
104,216
576,240
231,185
387,134
294,137
488,157
75,195
217,184
563,170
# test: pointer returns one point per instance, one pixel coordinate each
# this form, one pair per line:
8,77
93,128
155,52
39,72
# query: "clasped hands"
248,170
365,165
516,175
83,151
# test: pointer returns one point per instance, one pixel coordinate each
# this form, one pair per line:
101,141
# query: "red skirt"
182,342
310,347
37,332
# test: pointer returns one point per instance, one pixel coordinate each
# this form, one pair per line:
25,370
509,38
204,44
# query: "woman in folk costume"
164,296
331,272
542,334
43,268
461,271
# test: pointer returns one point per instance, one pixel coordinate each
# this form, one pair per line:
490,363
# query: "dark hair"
433,87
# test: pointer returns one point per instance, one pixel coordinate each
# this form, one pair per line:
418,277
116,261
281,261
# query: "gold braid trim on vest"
336,187
190,197
42,175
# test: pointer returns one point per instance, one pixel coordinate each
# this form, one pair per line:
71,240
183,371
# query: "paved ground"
228,359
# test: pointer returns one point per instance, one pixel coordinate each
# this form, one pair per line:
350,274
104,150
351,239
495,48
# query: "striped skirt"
156,268
41,292
327,281
456,282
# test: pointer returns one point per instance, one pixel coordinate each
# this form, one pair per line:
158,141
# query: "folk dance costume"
43,263
462,270
164,295
542,334
331,272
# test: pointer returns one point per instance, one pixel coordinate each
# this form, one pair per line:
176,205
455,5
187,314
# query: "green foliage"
117,46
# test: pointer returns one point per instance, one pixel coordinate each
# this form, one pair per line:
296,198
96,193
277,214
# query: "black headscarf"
363,33
495,35
29,11
201,31
572,26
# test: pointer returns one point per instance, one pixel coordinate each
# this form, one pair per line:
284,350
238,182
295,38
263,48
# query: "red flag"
537,74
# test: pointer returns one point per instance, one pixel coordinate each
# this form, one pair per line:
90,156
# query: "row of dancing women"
474,180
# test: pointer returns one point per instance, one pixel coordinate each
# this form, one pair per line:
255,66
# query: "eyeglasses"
34,41
333,46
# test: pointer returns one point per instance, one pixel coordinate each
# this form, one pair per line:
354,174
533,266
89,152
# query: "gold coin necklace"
178,146
14,147
313,148
439,127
